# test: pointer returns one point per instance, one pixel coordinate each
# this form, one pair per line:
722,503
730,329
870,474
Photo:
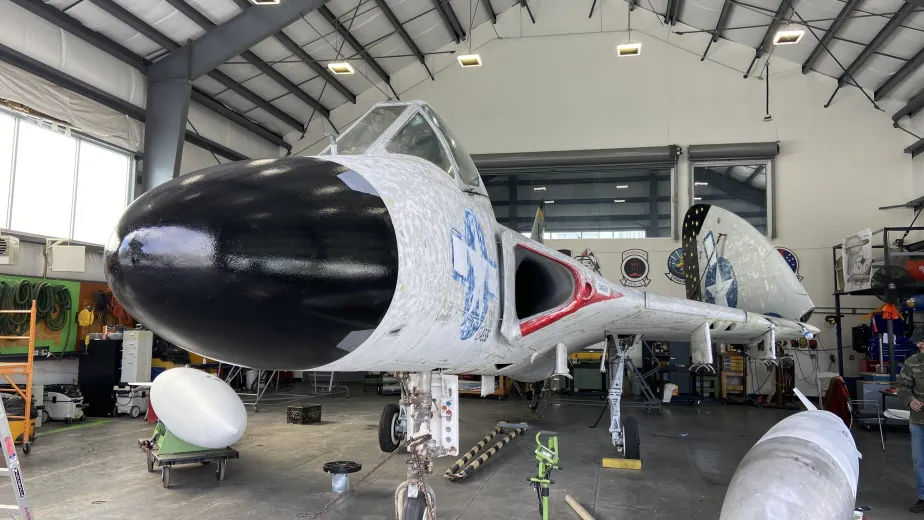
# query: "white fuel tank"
199,408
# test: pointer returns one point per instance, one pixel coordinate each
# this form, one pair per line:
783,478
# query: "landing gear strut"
431,424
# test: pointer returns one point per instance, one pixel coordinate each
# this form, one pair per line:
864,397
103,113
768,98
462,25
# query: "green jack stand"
547,455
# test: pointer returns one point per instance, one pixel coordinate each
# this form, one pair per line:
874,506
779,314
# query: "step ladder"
13,471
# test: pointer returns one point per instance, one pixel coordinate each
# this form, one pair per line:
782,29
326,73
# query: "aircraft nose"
268,263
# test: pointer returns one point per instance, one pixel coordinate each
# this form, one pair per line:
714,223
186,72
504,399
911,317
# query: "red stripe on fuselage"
585,293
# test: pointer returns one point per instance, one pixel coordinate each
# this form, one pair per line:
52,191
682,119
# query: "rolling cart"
165,450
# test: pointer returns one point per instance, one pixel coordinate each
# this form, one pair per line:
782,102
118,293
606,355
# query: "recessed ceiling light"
539,188
619,200
622,186
549,201
701,184
628,49
470,60
341,67
788,36
264,2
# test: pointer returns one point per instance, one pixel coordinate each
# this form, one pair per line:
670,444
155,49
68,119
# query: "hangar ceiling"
282,83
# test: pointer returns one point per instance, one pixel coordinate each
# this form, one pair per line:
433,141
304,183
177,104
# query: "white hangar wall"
558,85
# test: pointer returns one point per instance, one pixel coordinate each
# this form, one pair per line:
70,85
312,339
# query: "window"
417,138
738,186
584,203
60,186
368,129
467,170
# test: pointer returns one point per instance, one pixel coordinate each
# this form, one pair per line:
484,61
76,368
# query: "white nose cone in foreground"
198,408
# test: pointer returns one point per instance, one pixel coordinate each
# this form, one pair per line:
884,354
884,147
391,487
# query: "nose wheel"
392,428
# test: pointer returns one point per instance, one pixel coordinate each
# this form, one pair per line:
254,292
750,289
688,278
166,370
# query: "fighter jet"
383,253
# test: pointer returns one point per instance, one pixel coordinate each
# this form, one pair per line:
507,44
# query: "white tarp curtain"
78,111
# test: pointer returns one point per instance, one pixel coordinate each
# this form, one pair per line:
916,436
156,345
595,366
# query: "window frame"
80,138
769,169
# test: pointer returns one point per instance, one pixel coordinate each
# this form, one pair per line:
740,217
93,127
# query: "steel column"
877,42
653,217
164,130
835,26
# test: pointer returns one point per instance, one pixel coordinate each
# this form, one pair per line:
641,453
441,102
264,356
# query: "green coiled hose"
52,304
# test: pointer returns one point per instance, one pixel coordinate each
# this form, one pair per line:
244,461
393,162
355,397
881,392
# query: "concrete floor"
689,455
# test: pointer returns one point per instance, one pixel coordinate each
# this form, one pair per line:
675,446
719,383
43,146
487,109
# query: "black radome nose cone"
268,263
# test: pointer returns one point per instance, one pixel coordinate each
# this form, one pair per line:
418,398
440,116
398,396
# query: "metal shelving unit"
888,258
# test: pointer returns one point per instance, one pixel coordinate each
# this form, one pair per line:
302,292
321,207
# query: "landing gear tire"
631,438
389,438
415,508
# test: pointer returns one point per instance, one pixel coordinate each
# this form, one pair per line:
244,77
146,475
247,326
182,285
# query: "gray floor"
689,455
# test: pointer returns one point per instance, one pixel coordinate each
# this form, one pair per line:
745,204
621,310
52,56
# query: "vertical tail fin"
538,231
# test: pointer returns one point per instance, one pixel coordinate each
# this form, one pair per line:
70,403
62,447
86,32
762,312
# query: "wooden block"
622,463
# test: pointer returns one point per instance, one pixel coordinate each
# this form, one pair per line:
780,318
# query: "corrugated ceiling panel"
268,121
294,107
208,85
876,70
910,87
163,17
234,100
703,14
219,11
429,32
905,42
101,21
845,52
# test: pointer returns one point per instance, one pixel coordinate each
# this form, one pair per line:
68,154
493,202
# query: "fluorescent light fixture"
628,49
619,200
341,67
470,60
539,188
788,36
701,184
549,201
697,198
622,186
264,2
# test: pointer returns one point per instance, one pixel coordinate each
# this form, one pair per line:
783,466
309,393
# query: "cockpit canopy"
407,128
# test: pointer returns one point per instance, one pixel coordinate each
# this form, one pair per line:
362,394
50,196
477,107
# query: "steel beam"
916,148
447,21
157,74
233,37
490,10
778,18
318,69
757,171
719,26
454,19
830,33
71,25
102,42
910,108
300,53
203,99
895,79
88,91
202,21
877,42
525,4
404,35
358,47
